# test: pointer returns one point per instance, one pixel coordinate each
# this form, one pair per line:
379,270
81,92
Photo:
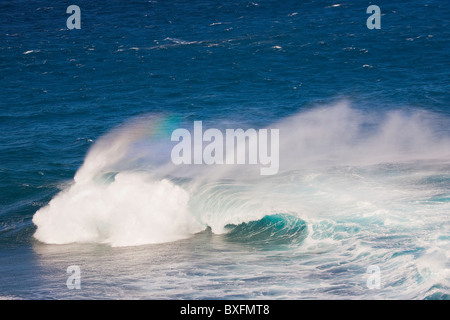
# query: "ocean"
94,206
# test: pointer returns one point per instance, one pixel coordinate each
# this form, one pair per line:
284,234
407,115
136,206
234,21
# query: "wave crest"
276,229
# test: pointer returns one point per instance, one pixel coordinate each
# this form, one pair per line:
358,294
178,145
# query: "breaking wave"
335,161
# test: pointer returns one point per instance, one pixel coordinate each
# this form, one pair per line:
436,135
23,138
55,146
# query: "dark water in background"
233,62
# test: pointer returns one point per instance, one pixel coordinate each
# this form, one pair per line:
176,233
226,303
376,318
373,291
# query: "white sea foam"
9,298
131,210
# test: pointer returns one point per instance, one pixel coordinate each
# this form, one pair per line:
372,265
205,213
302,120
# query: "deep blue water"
383,201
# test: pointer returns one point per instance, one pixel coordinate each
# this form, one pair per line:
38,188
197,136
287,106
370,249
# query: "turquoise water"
86,177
